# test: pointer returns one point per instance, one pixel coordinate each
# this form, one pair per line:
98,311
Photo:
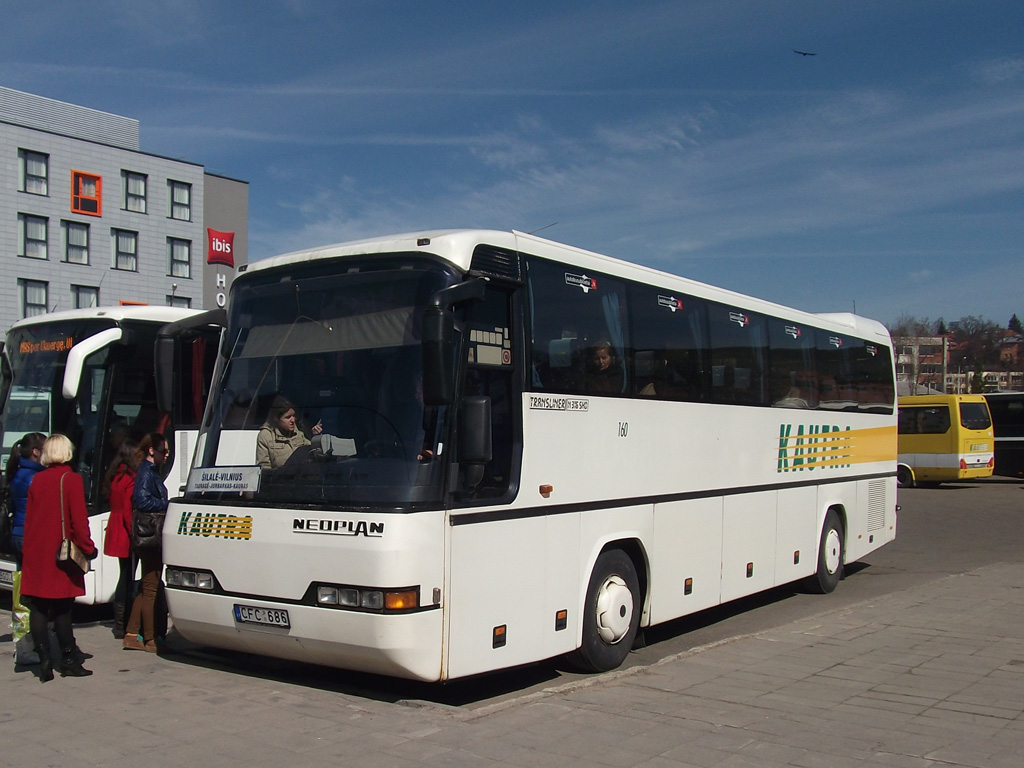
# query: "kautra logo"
220,247
806,447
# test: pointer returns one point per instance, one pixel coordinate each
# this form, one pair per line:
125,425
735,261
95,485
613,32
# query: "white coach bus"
90,374
518,450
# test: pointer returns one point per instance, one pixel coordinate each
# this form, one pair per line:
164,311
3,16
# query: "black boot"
45,667
118,621
71,666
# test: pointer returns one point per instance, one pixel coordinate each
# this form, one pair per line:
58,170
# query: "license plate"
6,577
268,617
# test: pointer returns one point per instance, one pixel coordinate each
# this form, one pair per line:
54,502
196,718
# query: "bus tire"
611,614
831,551
904,477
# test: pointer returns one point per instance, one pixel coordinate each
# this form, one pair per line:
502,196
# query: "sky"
882,175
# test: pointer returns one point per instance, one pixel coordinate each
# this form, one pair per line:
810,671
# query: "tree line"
974,342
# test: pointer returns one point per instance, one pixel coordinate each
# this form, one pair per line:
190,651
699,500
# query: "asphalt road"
941,531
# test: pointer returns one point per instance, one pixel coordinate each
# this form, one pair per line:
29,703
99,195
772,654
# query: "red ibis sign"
220,246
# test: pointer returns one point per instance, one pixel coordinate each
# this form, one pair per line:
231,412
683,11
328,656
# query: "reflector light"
400,601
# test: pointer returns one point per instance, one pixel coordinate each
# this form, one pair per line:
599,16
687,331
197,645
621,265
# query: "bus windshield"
340,349
975,416
36,357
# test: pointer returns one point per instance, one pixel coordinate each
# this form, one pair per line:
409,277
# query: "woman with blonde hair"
55,510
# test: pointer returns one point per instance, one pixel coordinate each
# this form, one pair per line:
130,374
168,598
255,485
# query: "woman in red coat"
52,590
117,542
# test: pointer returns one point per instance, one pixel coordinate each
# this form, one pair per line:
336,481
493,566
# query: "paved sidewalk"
929,677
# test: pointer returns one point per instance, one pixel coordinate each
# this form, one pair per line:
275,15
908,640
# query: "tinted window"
853,374
669,345
928,420
579,324
793,380
738,346
974,416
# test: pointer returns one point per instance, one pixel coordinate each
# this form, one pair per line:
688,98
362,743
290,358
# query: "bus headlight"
189,579
368,599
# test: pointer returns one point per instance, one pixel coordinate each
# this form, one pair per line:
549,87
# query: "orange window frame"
80,203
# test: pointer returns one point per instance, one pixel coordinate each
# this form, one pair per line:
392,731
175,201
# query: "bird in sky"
804,53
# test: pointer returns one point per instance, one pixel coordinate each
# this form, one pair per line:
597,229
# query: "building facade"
88,219
925,365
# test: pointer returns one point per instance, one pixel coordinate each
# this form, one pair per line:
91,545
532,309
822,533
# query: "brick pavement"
933,676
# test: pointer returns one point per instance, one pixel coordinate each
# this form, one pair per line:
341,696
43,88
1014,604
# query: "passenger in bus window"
604,372
280,436
792,400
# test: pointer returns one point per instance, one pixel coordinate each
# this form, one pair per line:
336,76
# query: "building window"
180,258
180,195
34,171
84,296
179,301
33,297
86,193
126,250
32,232
76,242
134,191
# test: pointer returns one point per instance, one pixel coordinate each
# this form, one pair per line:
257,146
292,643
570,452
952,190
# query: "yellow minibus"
944,438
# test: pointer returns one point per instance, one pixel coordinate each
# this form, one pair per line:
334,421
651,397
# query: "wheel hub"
833,549
614,610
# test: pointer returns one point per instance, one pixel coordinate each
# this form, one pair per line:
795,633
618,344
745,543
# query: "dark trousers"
123,590
44,611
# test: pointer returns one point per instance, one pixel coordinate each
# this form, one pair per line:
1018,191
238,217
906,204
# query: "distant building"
87,219
924,366
921,363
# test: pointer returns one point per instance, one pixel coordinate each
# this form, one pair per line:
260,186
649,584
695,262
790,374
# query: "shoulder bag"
147,529
69,556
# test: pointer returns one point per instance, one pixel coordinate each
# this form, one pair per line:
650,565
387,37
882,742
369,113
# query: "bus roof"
940,399
143,313
457,245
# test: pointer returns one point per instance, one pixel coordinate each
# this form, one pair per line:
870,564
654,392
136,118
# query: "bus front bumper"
406,645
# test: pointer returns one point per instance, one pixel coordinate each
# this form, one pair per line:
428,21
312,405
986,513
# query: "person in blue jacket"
150,495
22,466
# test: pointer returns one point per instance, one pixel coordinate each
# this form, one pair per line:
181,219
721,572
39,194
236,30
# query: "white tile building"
87,218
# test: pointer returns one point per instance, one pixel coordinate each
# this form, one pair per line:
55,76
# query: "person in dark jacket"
56,494
150,495
22,466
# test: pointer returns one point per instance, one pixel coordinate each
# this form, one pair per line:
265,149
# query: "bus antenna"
546,226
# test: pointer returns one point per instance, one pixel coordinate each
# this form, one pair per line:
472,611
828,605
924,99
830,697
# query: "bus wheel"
830,556
611,614
904,477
